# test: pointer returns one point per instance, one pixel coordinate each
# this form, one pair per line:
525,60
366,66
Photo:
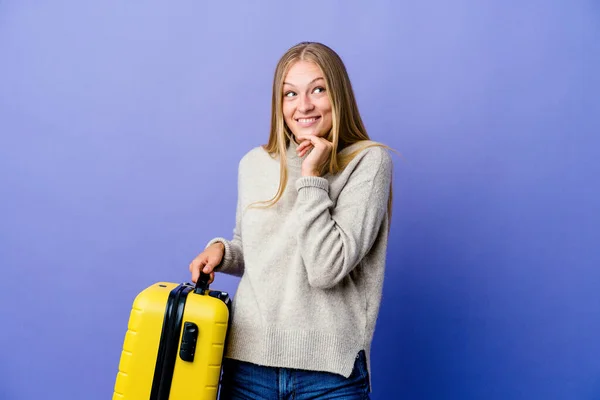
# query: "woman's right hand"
207,261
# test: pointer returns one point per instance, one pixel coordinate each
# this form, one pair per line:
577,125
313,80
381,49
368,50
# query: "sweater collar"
293,160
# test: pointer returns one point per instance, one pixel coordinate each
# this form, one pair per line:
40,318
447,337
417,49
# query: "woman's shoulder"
368,154
255,157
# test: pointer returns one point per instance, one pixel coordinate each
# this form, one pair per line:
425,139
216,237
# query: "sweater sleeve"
334,238
233,258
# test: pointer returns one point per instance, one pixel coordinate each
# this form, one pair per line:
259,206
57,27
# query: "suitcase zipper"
169,343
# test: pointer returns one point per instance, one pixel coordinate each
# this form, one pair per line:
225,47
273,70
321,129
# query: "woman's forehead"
303,73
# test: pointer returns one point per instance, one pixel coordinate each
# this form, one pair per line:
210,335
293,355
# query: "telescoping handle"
202,283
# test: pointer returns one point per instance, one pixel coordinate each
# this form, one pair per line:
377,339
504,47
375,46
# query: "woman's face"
306,105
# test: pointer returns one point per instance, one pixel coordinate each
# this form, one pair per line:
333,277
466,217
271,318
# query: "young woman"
309,242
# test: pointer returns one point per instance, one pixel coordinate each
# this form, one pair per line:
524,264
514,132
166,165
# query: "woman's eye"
289,94
319,89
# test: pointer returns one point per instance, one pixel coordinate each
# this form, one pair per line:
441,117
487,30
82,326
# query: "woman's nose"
305,104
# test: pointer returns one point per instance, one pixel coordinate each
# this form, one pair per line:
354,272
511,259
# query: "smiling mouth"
307,120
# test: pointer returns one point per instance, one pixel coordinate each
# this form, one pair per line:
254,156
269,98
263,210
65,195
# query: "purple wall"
122,123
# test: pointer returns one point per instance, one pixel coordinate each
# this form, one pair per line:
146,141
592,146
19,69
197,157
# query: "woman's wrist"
221,245
310,173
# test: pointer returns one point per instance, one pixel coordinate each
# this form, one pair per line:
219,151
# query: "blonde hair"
347,125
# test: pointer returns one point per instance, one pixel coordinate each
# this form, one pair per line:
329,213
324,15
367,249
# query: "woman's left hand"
321,153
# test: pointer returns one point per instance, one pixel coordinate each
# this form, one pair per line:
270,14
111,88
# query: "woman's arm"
333,238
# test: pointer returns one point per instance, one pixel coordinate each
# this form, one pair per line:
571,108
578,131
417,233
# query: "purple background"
122,124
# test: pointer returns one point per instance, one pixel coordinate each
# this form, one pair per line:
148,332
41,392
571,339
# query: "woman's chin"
301,135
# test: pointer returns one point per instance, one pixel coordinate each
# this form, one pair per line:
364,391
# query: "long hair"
347,125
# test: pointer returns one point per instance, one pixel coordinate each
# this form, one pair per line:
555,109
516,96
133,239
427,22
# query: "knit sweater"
311,266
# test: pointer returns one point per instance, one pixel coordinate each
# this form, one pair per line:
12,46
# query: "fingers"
304,144
302,152
195,266
314,162
208,268
304,147
321,143
311,141
206,262
196,273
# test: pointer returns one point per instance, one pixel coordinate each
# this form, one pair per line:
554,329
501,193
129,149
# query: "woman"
309,242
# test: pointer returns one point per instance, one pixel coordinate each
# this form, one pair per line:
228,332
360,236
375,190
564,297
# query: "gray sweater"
311,266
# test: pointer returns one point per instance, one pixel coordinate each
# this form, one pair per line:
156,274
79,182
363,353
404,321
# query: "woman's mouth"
306,122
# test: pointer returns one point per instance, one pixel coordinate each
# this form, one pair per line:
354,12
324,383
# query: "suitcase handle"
202,283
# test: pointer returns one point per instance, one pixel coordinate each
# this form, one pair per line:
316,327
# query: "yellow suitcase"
174,345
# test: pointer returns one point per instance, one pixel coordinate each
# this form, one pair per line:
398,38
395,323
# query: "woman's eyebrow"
310,83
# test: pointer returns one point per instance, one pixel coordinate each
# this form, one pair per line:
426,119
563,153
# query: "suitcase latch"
188,341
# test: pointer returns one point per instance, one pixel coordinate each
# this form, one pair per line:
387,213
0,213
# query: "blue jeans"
242,380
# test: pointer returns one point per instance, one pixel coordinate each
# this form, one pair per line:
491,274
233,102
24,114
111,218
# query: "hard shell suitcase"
174,345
